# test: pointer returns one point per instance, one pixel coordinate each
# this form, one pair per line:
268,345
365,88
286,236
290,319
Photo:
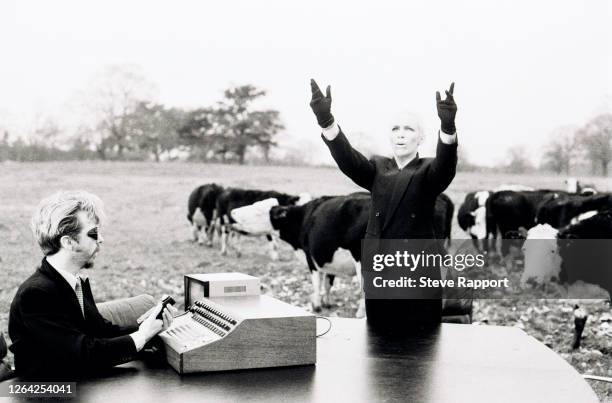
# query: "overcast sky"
522,68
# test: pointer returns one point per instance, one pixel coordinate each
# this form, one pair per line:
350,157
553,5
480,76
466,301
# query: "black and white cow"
562,211
578,252
579,257
233,198
201,211
254,220
329,231
476,219
465,215
472,218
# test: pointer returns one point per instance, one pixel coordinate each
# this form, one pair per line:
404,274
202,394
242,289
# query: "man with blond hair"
56,329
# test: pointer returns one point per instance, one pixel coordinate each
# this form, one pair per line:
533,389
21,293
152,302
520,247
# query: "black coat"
402,200
402,207
52,340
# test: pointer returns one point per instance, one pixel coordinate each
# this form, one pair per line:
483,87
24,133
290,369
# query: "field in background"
147,246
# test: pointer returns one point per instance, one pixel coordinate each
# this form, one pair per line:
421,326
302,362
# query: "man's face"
87,242
406,136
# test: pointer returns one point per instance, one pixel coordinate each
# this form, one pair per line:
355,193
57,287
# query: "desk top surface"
453,363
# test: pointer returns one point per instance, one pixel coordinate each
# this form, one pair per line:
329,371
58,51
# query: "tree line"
571,150
121,121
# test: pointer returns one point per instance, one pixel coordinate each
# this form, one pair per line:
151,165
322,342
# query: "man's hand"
447,109
151,326
321,105
171,308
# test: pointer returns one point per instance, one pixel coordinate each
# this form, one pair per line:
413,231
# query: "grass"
147,246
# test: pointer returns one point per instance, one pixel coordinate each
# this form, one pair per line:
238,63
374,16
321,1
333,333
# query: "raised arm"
350,161
443,167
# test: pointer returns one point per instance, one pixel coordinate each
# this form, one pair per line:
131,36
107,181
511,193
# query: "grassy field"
147,245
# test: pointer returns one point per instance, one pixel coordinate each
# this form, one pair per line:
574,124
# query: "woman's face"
406,136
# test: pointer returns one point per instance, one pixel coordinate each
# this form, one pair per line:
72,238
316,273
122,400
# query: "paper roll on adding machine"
228,325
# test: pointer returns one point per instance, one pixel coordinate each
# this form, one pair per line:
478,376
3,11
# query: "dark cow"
329,231
232,198
443,217
201,211
510,210
562,211
589,258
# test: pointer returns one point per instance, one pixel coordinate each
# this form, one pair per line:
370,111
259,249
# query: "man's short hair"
56,216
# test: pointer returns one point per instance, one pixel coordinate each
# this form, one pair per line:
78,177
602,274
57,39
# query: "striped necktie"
79,293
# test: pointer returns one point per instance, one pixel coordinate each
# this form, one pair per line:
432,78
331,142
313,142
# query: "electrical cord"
328,329
597,378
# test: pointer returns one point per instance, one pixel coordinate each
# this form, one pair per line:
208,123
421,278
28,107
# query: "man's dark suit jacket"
402,207
52,340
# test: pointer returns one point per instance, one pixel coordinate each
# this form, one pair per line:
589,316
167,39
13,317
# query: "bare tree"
115,93
596,138
518,162
463,161
561,150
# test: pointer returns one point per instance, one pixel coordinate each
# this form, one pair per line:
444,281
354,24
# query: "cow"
232,198
578,256
510,210
443,218
254,220
564,255
514,187
542,265
476,219
329,231
562,211
472,218
201,211
589,261
325,229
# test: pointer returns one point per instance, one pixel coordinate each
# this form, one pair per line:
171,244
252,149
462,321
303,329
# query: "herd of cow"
327,231
541,221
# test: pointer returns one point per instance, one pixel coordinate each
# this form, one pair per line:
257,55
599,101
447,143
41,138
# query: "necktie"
79,293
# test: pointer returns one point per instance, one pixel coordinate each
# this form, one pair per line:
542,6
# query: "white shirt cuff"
331,132
448,138
139,340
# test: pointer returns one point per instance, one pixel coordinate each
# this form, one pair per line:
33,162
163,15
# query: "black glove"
447,109
321,105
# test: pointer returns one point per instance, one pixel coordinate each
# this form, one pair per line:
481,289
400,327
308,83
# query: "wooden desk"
454,363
